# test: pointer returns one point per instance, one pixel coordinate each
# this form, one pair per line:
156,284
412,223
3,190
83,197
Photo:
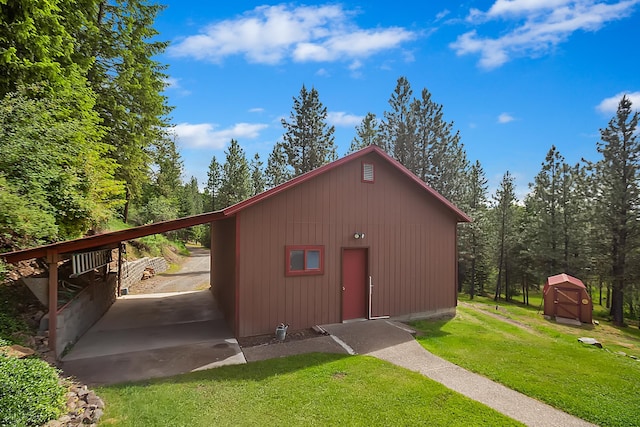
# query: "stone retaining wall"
132,271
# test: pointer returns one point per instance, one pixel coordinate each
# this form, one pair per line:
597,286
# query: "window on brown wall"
304,260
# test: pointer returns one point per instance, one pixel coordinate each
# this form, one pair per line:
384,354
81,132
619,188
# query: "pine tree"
308,140
214,180
617,175
503,209
367,133
258,181
544,203
235,184
130,84
398,128
416,134
472,242
168,176
441,159
277,171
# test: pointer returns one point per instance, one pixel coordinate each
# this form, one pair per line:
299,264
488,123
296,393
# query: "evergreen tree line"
578,219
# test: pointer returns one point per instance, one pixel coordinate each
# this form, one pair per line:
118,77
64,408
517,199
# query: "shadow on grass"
430,328
253,371
583,326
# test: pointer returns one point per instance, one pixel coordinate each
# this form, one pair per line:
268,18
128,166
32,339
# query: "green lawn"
315,389
544,361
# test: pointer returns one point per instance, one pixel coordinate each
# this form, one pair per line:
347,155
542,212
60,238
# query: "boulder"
590,341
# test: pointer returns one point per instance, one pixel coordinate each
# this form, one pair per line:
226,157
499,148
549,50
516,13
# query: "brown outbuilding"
358,238
567,297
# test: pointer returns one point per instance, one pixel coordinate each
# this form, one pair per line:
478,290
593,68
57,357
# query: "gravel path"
193,275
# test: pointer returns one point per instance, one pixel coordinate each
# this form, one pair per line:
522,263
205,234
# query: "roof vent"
368,174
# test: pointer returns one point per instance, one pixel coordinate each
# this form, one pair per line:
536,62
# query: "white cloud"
256,110
442,14
355,65
515,7
538,26
610,105
205,135
172,83
339,118
272,34
505,118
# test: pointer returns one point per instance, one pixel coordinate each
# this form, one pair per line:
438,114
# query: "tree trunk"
507,278
618,257
608,304
496,297
500,264
472,290
600,288
125,214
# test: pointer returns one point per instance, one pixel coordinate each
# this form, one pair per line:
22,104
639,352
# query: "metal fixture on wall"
358,236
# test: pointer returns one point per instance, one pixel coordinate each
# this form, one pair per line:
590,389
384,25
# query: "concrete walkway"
394,343
153,335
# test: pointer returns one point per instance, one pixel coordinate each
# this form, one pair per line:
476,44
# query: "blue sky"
515,76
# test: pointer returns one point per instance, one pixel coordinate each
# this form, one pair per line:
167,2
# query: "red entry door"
354,273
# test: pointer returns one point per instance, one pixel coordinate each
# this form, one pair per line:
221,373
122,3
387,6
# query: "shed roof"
114,237
110,238
559,279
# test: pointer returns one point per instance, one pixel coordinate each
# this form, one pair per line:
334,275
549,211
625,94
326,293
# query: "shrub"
10,321
30,392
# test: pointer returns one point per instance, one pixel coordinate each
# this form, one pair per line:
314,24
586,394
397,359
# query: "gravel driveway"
193,275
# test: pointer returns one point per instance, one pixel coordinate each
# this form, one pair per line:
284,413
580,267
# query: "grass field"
511,344
307,390
515,346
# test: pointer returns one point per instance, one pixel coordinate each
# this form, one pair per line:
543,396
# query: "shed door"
567,303
354,273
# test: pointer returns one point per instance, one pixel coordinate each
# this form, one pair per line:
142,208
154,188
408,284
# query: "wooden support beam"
52,261
120,246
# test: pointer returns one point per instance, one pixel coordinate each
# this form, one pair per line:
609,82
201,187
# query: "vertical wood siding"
410,236
223,267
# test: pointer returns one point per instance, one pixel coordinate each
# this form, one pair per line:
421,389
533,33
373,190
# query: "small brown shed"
566,296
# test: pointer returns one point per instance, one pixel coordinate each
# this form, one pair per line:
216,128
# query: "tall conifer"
308,139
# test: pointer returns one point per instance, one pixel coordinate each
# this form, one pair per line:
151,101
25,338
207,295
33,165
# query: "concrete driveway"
153,335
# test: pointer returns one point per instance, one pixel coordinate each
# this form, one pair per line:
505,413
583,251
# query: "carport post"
119,269
52,261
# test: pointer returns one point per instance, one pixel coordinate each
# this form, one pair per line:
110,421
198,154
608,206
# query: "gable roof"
461,216
114,237
559,279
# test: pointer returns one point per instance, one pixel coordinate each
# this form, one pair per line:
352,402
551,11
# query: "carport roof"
111,238
115,237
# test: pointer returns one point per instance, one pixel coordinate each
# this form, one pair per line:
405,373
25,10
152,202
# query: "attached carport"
56,252
153,335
